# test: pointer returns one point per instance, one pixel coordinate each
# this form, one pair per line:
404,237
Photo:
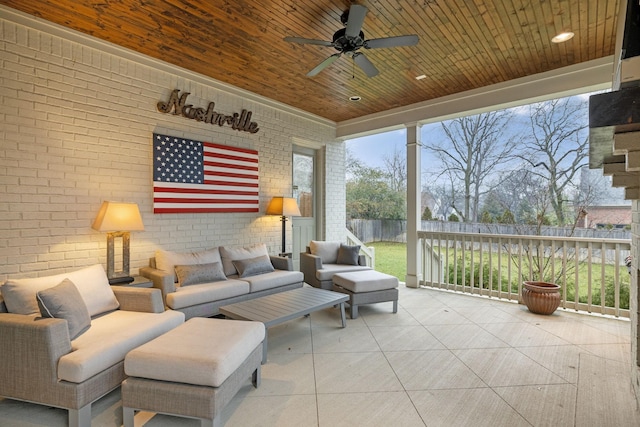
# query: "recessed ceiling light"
355,98
421,76
563,37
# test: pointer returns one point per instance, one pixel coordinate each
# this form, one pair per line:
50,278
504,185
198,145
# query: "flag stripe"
226,166
237,184
202,210
187,191
240,160
230,175
200,201
251,153
199,177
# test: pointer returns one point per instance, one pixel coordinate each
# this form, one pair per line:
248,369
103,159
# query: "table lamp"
118,219
283,206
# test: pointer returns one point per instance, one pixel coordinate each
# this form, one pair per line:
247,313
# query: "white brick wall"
335,194
77,126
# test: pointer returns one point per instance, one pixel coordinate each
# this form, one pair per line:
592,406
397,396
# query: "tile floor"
443,360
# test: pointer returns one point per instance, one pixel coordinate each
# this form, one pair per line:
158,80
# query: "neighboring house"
606,216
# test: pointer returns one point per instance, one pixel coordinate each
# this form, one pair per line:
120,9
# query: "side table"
138,282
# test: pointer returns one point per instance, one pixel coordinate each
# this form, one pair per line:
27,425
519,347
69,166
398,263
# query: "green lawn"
391,258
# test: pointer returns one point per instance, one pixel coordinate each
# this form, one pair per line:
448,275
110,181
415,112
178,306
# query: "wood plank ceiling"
463,44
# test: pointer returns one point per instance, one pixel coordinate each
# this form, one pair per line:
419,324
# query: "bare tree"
556,147
447,198
396,168
596,189
474,147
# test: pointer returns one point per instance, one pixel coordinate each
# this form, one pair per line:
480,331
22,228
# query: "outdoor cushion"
230,254
365,281
199,273
110,338
167,260
274,279
328,270
63,301
187,296
348,255
202,351
92,283
252,266
327,251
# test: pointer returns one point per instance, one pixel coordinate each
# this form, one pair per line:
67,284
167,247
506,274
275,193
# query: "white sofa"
77,355
323,259
198,283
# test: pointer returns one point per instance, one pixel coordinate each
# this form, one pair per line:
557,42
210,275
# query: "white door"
304,226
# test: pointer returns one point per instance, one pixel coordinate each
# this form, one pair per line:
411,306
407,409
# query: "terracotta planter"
541,297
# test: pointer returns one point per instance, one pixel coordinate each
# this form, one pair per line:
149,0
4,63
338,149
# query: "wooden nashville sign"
178,104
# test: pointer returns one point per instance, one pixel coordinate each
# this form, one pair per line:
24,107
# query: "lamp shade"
114,216
284,206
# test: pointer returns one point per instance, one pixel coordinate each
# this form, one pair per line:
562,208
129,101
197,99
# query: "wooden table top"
283,306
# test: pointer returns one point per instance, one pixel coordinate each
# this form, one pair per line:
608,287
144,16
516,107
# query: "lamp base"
121,280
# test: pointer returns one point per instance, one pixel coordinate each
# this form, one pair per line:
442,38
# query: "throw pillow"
252,266
348,254
199,273
65,302
327,251
167,260
230,254
92,283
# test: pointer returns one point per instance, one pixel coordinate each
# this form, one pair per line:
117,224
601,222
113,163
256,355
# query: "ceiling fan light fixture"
349,40
563,37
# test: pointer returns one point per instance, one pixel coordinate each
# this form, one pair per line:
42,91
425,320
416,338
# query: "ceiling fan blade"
307,41
391,42
356,19
366,65
324,64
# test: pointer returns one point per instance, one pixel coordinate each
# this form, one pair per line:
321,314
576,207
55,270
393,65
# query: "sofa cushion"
348,255
273,280
199,273
328,270
202,351
327,251
110,338
92,283
206,292
167,260
63,301
230,254
252,266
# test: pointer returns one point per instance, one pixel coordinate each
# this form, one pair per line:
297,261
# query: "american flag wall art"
198,177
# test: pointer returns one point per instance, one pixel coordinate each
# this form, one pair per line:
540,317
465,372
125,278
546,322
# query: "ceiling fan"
350,39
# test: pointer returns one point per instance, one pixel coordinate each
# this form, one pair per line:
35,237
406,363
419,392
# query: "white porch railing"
591,272
369,252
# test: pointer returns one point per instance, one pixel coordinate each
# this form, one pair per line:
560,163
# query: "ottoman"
193,370
366,287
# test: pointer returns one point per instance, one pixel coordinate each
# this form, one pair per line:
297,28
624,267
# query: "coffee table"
283,306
